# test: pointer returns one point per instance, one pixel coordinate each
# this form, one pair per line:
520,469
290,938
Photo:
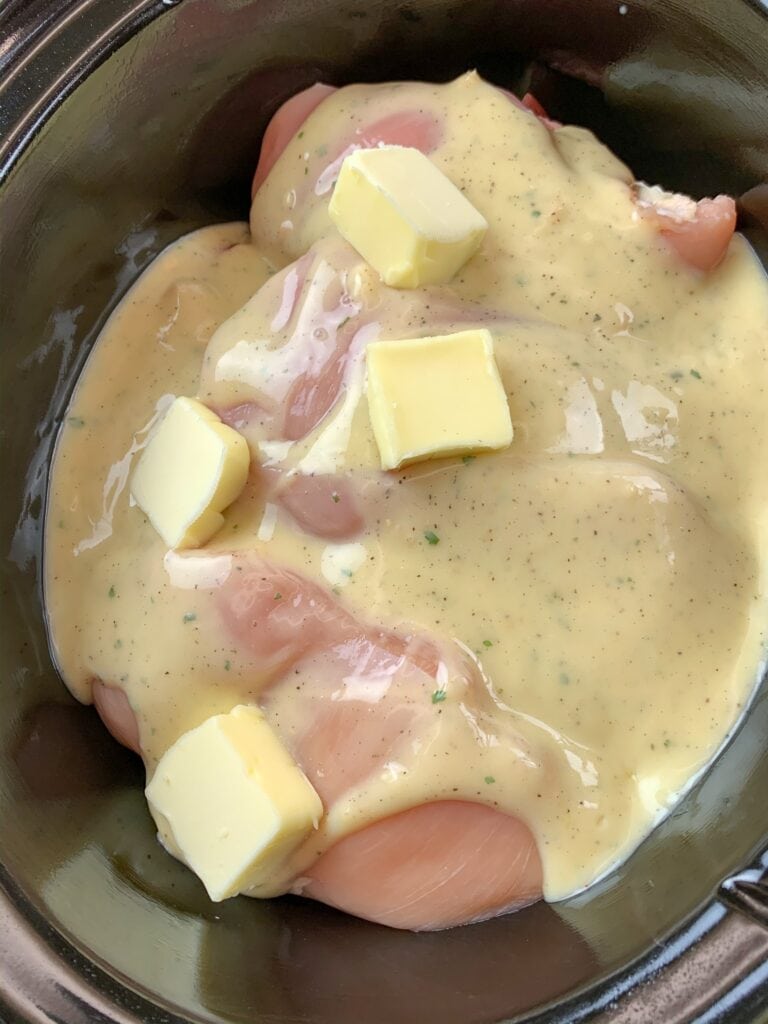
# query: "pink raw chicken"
699,234
407,128
317,322
284,125
429,867
325,505
313,318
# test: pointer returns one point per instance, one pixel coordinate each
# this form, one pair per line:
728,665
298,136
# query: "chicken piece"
430,867
277,367
284,353
286,121
289,210
531,103
434,865
325,505
117,714
699,232
404,128
409,128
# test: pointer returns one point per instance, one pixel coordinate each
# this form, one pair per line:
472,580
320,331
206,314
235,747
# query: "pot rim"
45,976
49,51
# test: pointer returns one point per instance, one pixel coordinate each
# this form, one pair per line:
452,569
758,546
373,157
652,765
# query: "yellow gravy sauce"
606,574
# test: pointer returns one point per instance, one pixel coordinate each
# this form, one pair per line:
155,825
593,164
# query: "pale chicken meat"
435,865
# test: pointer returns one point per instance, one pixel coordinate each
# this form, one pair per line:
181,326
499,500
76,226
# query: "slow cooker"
123,125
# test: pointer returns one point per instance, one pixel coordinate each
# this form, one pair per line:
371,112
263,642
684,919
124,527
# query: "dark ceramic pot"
123,124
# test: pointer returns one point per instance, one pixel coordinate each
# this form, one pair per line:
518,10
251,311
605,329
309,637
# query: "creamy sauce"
596,594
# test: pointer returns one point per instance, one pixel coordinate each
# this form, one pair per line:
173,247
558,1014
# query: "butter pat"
193,467
404,216
433,397
229,801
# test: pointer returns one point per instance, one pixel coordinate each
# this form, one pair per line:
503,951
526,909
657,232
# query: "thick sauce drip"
595,595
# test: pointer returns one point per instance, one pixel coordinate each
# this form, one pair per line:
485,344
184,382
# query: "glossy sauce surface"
566,631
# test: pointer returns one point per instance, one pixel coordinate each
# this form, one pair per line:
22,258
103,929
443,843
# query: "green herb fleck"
344,321
565,678
489,779
306,169
118,644
487,643
321,150
278,595
335,497
535,213
431,537
301,134
439,696
76,421
696,374
667,743
347,572
227,665
466,459
189,617
112,592
596,318
676,375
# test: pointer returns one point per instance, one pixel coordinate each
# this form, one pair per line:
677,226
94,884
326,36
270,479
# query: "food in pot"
414,534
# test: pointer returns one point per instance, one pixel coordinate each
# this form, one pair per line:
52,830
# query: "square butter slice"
192,468
229,800
404,216
430,398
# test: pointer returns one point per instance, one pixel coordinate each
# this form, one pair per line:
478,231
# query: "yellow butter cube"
433,397
404,216
193,467
229,800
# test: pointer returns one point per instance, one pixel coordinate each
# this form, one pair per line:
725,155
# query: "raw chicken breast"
431,866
